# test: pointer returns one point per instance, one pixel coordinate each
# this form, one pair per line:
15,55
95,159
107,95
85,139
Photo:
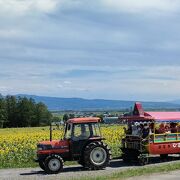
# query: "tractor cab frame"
80,133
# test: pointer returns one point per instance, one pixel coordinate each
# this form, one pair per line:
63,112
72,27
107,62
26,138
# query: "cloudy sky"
110,49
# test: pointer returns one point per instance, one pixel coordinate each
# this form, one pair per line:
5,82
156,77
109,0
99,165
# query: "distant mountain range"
175,102
57,103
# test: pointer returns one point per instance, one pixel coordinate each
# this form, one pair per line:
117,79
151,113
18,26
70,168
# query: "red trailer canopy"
164,116
138,114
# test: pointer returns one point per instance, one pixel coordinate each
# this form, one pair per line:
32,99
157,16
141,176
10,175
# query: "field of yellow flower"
18,145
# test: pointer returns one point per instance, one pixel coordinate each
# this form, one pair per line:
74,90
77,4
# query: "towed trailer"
150,133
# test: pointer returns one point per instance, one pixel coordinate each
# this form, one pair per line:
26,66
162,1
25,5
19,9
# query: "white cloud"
60,86
67,82
12,33
22,7
3,88
135,6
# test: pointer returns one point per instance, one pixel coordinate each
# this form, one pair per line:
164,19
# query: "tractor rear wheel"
97,155
53,164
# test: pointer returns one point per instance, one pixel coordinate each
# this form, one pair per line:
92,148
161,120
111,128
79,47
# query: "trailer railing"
166,137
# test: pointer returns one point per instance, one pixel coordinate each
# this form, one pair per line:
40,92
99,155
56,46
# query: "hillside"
57,103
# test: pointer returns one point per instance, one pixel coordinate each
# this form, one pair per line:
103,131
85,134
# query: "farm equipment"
149,134
82,142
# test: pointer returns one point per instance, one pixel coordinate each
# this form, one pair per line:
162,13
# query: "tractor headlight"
41,147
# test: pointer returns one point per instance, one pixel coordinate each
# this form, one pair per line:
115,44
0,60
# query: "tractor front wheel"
41,165
97,155
53,164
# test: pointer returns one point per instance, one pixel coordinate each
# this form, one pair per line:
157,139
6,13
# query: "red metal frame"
84,120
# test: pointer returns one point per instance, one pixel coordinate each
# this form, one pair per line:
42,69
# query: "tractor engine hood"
55,144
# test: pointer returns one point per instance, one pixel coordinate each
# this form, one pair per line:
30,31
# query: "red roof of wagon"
164,115
139,114
84,120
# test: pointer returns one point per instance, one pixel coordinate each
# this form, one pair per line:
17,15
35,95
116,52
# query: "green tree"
11,109
43,116
22,112
101,117
25,109
56,119
71,116
65,118
3,112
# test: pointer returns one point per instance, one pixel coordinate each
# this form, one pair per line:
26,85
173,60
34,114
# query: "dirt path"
70,172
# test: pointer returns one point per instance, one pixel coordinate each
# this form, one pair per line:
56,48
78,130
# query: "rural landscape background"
61,59
18,145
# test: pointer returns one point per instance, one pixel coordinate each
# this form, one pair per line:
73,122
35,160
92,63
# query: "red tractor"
82,142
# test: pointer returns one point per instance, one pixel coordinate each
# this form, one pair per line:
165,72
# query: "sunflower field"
18,145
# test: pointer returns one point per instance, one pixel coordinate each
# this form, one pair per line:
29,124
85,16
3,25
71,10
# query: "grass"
136,172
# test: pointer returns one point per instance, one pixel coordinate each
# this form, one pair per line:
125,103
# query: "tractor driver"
81,131
84,132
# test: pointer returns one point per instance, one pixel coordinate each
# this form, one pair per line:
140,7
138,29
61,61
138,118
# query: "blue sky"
110,49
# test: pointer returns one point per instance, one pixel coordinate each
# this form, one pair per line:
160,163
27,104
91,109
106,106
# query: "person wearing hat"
145,131
135,129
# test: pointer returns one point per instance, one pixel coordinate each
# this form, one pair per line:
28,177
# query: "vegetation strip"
131,172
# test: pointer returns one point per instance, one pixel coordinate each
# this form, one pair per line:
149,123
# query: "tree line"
22,112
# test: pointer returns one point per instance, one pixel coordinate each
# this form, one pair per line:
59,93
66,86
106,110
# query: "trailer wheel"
42,165
163,157
97,155
53,164
143,161
124,158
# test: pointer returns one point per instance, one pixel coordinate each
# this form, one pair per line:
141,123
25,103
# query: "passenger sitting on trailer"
139,127
145,131
173,127
136,129
161,129
151,128
167,128
178,128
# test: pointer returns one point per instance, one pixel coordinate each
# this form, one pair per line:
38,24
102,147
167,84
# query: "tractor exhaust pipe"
50,132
